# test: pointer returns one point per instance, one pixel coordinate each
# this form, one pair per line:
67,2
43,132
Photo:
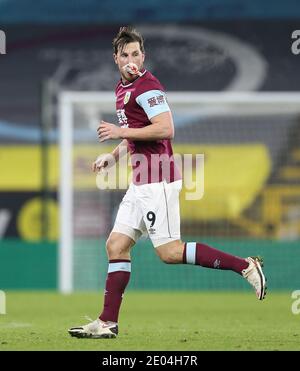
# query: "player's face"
131,53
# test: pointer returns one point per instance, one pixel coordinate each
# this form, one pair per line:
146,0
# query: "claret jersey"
136,103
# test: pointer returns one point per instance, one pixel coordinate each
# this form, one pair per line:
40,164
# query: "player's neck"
126,82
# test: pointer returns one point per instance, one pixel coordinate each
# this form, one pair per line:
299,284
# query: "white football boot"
255,276
95,330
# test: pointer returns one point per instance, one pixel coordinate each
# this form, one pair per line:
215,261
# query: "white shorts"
151,209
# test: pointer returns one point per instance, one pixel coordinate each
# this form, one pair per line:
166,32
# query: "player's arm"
162,128
121,150
109,159
155,106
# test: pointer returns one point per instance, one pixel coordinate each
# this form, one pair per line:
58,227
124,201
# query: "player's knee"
113,248
171,253
116,248
167,256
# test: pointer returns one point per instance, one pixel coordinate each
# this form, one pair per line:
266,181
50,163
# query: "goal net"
249,189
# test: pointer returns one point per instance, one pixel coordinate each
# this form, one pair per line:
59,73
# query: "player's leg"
196,253
123,236
162,219
160,204
125,233
118,248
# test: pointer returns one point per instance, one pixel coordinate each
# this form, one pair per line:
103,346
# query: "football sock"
206,256
116,282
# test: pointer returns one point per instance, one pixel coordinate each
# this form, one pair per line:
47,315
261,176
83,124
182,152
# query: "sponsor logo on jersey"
127,97
155,101
121,116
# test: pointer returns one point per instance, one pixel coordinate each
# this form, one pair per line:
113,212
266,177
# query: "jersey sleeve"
153,102
151,97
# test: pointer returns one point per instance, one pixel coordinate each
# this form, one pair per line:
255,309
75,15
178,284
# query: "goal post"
257,126
67,100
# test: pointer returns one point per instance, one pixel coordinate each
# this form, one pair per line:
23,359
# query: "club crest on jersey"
127,97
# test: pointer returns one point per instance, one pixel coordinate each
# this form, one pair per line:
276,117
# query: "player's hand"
101,162
132,69
108,131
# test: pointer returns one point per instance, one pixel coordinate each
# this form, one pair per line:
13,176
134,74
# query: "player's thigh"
159,203
129,219
118,245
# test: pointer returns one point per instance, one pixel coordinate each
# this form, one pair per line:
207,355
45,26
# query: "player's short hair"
125,36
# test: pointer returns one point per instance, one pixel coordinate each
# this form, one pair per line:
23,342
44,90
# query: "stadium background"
52,46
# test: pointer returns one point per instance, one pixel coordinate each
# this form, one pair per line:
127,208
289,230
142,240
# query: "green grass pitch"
153,321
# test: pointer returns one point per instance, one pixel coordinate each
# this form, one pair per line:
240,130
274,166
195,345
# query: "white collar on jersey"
125,86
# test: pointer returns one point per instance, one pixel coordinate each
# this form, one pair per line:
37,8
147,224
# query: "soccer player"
151,204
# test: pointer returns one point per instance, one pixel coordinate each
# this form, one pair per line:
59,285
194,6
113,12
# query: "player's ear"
143,57
115,58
